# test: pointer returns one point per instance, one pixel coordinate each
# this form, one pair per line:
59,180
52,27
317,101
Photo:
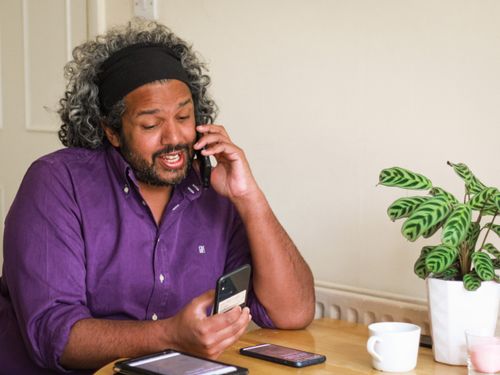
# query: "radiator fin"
359,307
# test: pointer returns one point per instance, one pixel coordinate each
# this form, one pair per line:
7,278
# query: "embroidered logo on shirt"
201,249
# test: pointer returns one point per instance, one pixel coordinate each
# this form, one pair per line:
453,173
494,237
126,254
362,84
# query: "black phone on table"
205,165
232,289
283,355
172,362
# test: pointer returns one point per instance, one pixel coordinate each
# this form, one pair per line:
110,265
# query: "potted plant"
463,287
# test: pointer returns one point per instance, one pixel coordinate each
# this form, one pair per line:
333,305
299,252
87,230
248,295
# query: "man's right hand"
192,331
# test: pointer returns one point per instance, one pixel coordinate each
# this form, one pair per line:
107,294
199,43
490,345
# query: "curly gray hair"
80,109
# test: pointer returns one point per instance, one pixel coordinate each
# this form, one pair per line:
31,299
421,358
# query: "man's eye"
148,127
183,118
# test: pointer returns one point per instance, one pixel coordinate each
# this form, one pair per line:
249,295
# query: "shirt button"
126,189
154,317
162,278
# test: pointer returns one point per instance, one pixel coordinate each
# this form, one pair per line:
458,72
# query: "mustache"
172,148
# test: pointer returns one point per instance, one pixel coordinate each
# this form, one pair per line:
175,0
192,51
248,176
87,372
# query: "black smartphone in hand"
205,165
232,289
283,355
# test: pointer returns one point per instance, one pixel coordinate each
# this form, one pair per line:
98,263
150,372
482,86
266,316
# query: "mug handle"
370,346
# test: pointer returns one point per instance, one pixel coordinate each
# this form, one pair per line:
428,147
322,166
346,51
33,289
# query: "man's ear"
111,135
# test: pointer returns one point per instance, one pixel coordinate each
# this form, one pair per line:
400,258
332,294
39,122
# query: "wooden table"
343,343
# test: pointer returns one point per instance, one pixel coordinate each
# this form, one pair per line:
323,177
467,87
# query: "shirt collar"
120,167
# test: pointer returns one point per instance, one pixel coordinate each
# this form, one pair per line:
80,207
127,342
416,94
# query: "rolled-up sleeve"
45,263
239,254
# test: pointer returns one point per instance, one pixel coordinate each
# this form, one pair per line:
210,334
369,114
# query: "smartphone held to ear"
205,166
232,289
205,169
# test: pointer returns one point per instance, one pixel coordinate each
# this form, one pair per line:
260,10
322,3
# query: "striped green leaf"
493,207
461,169
419,268
428,214
403,207
490,212
475,186
432,230
484,199
440,191
448,274
472,281
492,250
483,266
472,184
494,228
440,258
456,226
427,249
403,178
472,235
496,263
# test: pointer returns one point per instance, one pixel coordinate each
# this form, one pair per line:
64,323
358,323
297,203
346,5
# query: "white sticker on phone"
232,301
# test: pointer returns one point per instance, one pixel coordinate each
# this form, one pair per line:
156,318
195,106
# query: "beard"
148,172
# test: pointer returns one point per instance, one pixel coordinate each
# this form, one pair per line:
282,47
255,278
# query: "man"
112,246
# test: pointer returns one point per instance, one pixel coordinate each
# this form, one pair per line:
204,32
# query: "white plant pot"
453,310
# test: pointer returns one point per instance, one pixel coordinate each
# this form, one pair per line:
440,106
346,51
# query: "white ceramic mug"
393,346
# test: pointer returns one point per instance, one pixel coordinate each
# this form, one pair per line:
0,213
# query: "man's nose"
171,134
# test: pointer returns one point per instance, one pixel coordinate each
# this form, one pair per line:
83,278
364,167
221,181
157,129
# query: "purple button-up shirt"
80,242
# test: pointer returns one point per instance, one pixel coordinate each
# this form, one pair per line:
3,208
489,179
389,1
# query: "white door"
36,39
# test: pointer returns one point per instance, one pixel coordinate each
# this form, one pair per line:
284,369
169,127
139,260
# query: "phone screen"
174,363
283,355
232,289
178,364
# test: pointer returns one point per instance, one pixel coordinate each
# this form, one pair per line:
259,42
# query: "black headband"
134,66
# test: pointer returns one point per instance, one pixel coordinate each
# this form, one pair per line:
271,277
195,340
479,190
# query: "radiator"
366,306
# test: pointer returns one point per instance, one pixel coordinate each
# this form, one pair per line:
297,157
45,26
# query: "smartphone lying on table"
232,289
171,362
283,355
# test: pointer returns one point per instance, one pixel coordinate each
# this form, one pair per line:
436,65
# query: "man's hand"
192,331
232,176
95,342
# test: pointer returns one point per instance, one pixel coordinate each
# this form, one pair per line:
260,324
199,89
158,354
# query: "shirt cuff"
55,333
259,313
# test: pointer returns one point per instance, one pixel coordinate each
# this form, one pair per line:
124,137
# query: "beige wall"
324,94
